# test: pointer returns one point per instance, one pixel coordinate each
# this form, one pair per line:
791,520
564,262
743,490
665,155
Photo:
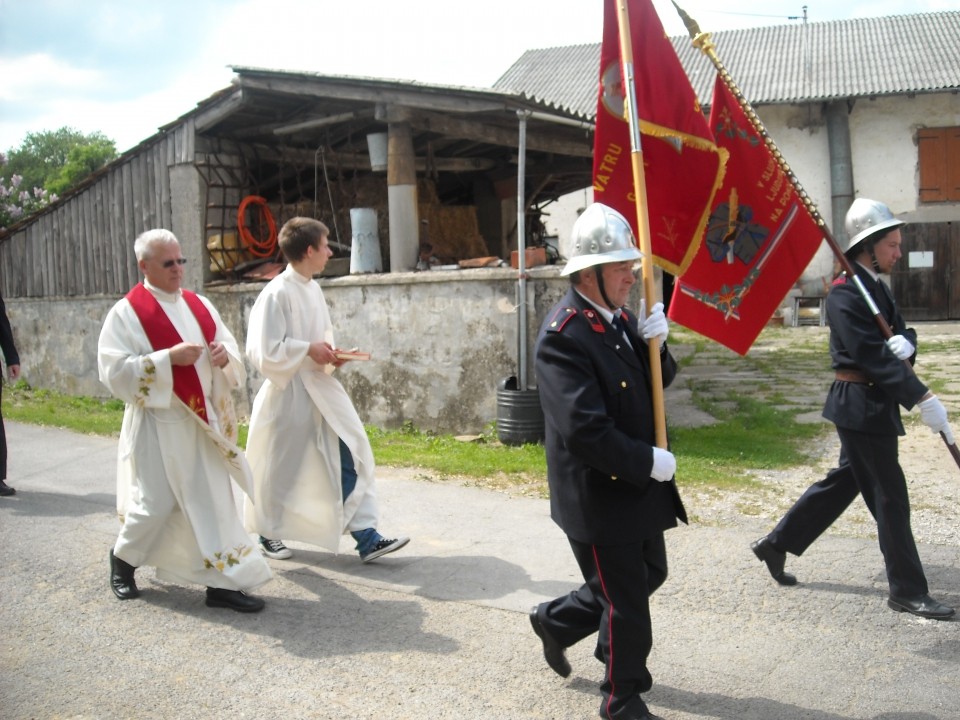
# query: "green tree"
83,160
58,158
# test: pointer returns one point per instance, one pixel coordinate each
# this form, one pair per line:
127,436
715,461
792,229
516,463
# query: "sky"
127,67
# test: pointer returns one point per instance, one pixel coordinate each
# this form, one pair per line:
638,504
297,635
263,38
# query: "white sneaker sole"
282,555
392,547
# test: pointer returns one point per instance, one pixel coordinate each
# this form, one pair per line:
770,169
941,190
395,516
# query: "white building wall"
883,137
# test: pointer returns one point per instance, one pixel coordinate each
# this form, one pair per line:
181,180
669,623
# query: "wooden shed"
303,143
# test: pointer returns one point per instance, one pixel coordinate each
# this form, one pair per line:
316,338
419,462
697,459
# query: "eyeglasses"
167,264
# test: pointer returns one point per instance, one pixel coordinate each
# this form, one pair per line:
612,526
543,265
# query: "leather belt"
853,376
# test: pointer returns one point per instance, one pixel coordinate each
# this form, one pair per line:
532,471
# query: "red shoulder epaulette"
560,318
841,279
595,322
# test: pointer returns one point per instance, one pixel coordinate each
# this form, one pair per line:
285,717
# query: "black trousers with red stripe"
614,602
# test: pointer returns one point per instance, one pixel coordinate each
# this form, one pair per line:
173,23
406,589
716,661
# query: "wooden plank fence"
83,244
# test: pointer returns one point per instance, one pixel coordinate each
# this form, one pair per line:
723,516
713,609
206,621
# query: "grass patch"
751,435
480,458
95,416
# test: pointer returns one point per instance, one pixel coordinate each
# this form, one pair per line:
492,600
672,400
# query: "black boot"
121,578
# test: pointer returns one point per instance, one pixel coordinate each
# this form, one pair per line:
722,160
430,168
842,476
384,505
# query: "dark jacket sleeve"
10,355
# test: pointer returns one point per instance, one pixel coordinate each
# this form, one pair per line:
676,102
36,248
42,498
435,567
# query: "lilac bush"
15,202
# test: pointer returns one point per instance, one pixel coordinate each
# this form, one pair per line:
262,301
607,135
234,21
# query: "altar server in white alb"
312,464
166,353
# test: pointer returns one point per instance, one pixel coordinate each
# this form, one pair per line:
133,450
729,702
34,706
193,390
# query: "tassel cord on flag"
703,42
643,222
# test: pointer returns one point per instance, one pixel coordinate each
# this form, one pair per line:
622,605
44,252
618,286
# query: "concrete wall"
441,341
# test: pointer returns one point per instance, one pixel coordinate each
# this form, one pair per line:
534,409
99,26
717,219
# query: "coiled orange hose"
254,245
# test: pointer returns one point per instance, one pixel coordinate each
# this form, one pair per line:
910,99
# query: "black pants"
615,603
3,441
868,465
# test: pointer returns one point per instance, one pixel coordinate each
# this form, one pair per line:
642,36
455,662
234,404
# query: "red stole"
163,335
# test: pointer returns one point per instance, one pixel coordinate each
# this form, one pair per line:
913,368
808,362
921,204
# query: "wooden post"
402,198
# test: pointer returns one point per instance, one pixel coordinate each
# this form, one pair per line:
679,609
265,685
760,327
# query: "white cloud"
127,68
29,77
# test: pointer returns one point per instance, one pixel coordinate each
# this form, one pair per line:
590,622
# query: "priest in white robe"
312,465
166,353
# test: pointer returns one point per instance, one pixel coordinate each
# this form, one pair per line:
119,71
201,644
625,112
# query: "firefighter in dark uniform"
872,382
611,489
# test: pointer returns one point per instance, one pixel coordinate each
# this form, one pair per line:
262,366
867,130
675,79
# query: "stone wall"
441,340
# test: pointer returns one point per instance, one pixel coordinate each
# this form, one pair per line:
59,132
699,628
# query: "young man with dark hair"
312,463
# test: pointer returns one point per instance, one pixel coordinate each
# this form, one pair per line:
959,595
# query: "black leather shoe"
774,559
234,599
6,489
924,606
554,654
121,578
636,710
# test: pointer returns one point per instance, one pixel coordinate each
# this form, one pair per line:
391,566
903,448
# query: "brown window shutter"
953,163
932,147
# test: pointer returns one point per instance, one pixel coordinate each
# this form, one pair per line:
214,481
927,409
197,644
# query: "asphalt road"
439,629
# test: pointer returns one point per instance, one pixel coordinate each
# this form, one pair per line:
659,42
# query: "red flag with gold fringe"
682,165
759,239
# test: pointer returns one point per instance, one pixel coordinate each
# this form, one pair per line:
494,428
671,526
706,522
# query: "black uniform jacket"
596,398
856,343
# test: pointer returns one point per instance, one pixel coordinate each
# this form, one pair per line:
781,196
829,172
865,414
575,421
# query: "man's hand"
934,416
901,347
322,354
219,355
664,465
13,372
948,434
185,353
652,326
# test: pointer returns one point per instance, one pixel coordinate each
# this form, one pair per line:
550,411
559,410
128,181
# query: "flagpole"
643,221
703,42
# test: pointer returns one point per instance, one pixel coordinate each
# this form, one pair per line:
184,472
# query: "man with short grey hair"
167,354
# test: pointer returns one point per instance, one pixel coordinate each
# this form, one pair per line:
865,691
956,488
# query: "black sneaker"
6,489
383,547
275,549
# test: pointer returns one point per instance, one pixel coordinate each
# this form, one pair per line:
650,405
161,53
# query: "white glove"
901,347
652,326
664,465
934,415
948,434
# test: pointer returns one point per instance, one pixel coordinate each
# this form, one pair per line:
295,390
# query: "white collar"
292,272
162,294
606,313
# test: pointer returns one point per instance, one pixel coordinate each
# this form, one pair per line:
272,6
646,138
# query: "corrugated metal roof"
896,55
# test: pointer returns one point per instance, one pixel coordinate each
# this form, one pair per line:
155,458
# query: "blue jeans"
368,538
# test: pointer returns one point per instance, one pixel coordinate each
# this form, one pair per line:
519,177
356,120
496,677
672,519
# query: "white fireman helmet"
600,235
867,218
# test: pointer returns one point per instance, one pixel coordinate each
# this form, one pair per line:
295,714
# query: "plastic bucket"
519,415
377,147
364,242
